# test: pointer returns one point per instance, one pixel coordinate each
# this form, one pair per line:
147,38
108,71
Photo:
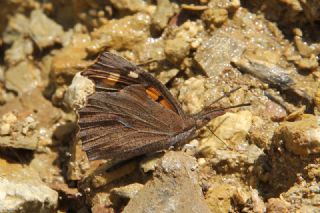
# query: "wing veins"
122,113
127,109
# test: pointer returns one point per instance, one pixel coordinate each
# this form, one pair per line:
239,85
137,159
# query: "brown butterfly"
131,113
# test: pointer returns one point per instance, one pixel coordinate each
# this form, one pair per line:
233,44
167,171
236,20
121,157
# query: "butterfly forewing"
113,73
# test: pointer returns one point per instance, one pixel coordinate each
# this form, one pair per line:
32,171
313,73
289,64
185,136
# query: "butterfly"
131,113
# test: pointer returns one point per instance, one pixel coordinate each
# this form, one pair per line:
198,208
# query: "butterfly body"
131,113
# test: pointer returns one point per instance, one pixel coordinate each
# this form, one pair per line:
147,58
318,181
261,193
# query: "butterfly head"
206,116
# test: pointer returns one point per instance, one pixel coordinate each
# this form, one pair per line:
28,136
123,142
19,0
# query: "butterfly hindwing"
126,123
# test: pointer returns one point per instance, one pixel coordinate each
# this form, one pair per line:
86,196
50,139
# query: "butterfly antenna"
226,94
215,129
225,143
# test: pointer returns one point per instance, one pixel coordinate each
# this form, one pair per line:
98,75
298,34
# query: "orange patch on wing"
153,93
166,104
156,96
109,82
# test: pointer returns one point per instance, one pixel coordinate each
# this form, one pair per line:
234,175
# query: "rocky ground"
269,161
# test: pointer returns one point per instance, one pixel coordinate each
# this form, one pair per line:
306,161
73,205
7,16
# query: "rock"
261,132
230,6
6,121
67,62
70,60
31,124
19,51
229,160
303,197
151,49
176,50
230,41
308,63
77,92
198,92
231,128
276,205
161,16
103,178
122,33
215,54
241,197
150,163
274,111
130,5
219,197
78,164
191,94
43,30
18,26
126,192
23,77
174,183
39,27
215,16
21,190
18,133
180,40
226,192
166,75
300,137
303,47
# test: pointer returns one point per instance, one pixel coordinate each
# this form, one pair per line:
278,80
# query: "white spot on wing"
133,74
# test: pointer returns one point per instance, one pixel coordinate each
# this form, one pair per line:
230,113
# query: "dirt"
260,158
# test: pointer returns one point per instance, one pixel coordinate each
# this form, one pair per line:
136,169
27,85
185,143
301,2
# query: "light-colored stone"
215,54
163,13
174,188
276,205
43,30
23,77
192,94
233,160
130,5
301,137
149,163
21,190
77,92
26,124
231,128
128,191
18,25
19,51
122,33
